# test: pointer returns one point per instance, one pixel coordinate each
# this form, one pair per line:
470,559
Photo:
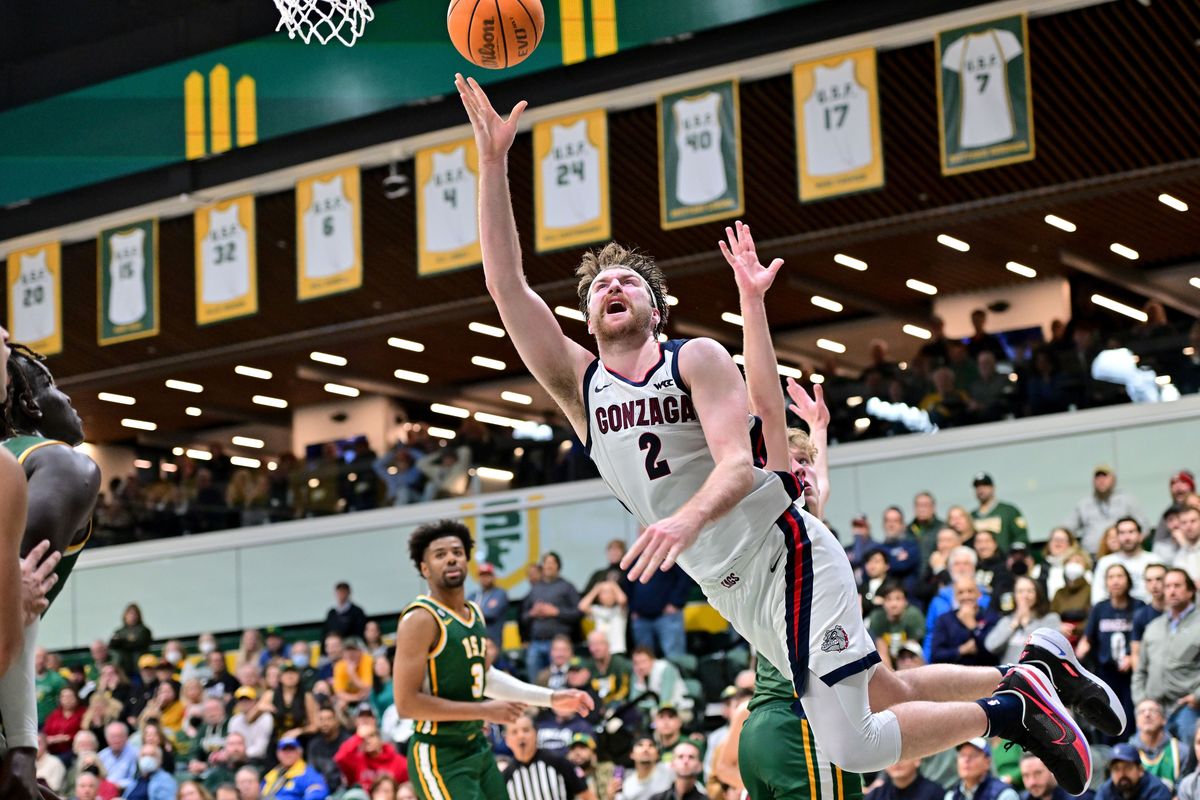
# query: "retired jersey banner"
127,282
985,104
700,155
35,298
570,157
447,199
328,234
226,261
838,142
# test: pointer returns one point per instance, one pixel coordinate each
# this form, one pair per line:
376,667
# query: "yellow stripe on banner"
193,115
247,111
604,27
218,109
436,773
574,37
811,757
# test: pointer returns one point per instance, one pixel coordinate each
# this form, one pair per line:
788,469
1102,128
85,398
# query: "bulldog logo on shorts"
835,640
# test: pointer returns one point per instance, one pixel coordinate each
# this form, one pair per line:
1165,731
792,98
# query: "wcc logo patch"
835,640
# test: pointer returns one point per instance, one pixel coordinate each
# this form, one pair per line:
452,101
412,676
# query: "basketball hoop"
344,20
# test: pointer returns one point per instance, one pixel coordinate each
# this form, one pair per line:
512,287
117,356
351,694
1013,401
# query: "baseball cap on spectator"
246,693
582,740
273,631
729,692
356,793
576,663
288,666
1125,752
982,479
353,643
1102,469
486,569
288,742
1018,547
147,661
980,744
364,710
1185,477
667,708
910,649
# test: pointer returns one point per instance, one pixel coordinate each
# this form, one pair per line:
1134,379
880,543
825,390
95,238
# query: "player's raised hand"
812,410
501,712
493,135
37,579
753,279
658,546
572,701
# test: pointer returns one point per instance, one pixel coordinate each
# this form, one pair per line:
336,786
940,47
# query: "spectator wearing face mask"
1073,601
152,782
301,657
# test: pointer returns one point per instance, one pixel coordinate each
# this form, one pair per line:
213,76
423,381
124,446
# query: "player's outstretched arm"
502,686
557,362
12,528
719,395
762,369
63,484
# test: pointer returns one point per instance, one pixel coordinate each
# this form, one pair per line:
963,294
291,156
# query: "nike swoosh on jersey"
602,388
775,563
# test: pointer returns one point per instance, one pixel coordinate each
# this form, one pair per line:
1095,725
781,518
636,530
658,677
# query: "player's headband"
645,283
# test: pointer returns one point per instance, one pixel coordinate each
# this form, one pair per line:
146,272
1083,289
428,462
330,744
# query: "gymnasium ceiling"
1116,90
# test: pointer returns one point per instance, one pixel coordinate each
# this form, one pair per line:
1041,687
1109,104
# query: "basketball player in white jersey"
449,203
669,430
126,270
328,230
571,177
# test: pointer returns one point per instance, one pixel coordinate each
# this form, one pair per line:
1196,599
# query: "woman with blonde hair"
1050,574
1109,543
958,519
191,790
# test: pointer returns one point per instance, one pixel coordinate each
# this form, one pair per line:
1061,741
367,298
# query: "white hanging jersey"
700,172
449,203
226,251
647,442
837,122
570,177
981,61
328,230
126,270
34,303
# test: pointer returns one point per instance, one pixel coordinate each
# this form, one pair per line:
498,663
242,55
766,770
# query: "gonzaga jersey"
700,172
126,270
328,230
837,122
226,257
449,203
647,442
571,177
981,61
34,302
456,667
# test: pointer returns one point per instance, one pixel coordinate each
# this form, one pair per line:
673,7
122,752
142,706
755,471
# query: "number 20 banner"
570,158
226,261
699,155
35,298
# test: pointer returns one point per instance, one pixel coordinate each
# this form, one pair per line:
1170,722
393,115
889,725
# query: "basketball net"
344,20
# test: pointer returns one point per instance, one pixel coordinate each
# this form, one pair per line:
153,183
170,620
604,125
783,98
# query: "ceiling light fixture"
141,463
831,345
199,455
450,411
249,441
517,397
494,474
1194,281
184,386
851,262
245,461
192,411
917,331
1021,269
409,375
273,402
855,401
1060,223
1124,250
862,423
344,391
177,451
1120,308
569,313
496,419
816,378
826,303
1173,202
921,286
672,300
486,330
788,372
406,344
490,363
120,399
952,243
139,424
253,372
739,359
731,318
327,358
167,466
440,433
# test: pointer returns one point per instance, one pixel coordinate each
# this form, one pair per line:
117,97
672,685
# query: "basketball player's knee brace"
867,748
18,700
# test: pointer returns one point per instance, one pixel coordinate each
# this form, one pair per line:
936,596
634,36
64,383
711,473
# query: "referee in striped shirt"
535,774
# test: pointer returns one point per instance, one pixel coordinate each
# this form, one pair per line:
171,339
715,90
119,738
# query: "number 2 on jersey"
655,469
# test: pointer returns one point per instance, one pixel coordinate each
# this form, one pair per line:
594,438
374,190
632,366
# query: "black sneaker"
1084,693
1046,729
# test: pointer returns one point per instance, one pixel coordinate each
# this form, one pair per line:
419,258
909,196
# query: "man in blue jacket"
902,548
1128,779
975,778
152,781
293,779
656,611
1040,784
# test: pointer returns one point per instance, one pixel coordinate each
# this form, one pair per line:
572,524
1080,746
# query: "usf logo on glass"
210,131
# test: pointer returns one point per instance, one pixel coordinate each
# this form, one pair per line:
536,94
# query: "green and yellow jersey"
22,447
456,668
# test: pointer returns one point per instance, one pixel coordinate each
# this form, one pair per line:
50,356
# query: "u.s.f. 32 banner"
570,157
985,104
127,282
447,199
35,298
226,261
328,234
699,155
838,142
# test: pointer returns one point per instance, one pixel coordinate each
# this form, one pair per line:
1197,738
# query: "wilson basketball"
495,34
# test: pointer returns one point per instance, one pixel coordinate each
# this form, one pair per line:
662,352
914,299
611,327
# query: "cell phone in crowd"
619,772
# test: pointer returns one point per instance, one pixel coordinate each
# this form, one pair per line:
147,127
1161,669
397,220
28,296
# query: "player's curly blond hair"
614,255
798,440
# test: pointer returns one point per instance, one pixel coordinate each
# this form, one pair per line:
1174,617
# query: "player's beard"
454,583
636,328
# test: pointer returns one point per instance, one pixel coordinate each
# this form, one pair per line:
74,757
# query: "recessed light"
788,372
952,243
569,313
253,372
494,474
486,330
517,397
245,461
1060,223
1195,281
344,391
440,433
662,337
1162,380
496,419
731,318
920,286
139,424
850,261
177,451
192,411
406,344
490,363
1012,377
1124,250
672,300
199,455
409,375
449,411
184,386
1120,308
854,401
831,345
141,463
273,402
917,331
272,465
327,358
249,441
816,377
1021,269
826,303
167,466
1189,351
1173,202
862,423
120,399
313,483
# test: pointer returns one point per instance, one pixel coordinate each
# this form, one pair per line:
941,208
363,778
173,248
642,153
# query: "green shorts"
778,760
454,771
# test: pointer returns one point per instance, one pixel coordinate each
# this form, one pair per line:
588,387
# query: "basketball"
495,34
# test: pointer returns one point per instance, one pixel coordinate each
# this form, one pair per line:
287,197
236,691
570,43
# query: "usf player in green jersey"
40,429
442,681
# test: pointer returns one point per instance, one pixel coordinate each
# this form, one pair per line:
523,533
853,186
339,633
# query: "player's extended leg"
935,682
